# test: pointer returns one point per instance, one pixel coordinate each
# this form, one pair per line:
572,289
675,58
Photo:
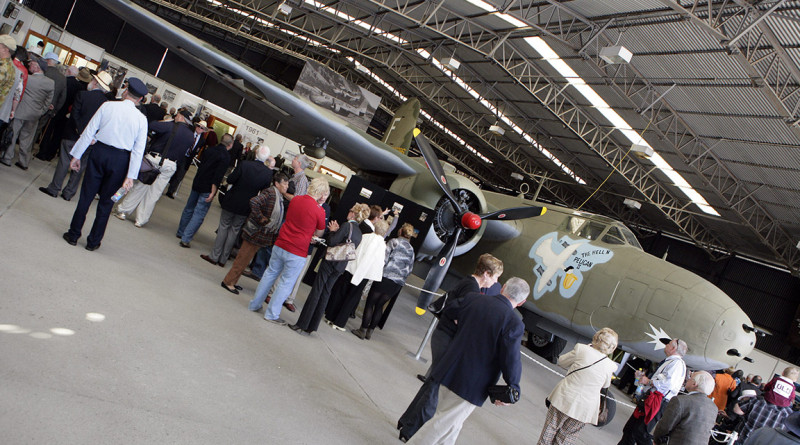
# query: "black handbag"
437,306
149,170
503,393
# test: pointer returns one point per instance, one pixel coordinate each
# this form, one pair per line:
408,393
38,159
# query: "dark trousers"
379,295
344,299
421,409
317,299
440,340
181,165
636,432
105,173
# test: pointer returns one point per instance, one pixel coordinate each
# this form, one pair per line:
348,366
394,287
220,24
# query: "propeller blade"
433,165
515,213
437,272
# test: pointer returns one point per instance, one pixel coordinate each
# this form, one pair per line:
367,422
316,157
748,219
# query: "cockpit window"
574,224
613,236
630,237
592,230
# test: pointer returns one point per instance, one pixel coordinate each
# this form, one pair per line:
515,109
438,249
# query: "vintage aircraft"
586,271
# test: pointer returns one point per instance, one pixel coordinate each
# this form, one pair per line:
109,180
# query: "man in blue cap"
59,99
119,130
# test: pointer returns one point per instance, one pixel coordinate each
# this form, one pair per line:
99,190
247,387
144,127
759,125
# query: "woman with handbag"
330,269
576,400
260,229
396,269
367,266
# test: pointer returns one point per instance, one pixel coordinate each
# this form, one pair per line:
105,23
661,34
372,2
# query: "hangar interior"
561,94
712,87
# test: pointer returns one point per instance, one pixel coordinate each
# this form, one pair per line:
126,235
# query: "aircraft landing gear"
549,348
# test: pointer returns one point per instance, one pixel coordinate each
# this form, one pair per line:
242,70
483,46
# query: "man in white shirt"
667,381
119,132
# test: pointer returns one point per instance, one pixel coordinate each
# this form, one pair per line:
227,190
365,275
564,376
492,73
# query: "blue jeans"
285,268
193,215
261,261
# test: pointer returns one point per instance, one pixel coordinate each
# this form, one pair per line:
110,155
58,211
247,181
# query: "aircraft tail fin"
400,132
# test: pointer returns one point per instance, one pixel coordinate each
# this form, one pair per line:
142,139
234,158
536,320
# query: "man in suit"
34,103
77,81
85,105
485,346
185,161
144,197
153,110
688,418
247,180
54,72
118,132
236,152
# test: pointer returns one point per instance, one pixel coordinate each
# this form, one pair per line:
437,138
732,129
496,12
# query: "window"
613,236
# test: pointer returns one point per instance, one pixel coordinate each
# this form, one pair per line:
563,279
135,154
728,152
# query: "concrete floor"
175,359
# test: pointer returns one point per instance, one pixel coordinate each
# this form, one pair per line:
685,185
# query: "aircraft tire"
550,351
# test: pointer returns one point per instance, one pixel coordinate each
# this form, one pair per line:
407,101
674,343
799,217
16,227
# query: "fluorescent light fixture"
632,203
642,151
519,177
284,9
496,129
511,20
360,23
451,63
616,54
573,79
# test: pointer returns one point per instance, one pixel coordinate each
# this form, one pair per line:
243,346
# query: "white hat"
203,125
104,80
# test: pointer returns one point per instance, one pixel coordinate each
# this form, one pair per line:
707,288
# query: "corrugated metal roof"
593,8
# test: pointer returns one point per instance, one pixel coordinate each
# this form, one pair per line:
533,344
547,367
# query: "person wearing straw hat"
83,108
34,103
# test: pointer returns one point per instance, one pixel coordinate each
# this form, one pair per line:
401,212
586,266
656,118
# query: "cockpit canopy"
599,228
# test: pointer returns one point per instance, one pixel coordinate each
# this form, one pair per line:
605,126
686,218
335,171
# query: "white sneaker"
120,216
137,225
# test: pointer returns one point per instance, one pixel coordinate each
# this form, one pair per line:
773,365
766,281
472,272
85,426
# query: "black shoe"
422,378
65,198
233,291
21,166
251,275
182,244
169,195
92,248
360,333
237,287
48,192
69,240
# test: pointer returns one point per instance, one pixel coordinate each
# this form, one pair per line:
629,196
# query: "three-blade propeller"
467,220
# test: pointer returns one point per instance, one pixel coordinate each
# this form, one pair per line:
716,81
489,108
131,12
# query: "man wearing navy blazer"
486,346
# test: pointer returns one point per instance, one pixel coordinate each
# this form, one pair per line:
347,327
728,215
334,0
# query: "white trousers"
443,428
143,197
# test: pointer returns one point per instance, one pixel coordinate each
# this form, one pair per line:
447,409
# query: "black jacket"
85,105
182,141
154,112
213,165
247,179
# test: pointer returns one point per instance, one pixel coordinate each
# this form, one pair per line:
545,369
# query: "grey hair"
517,289
704,381
262,153
304,161
791,373
681,347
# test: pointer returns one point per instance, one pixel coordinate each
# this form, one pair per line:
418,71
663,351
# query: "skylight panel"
550,56
360,23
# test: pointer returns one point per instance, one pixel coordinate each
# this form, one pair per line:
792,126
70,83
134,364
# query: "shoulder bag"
603,415
343,252
149,170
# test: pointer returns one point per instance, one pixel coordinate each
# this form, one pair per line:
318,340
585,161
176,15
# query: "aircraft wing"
301,120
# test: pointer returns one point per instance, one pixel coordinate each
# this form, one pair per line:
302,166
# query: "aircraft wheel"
548,350
612,409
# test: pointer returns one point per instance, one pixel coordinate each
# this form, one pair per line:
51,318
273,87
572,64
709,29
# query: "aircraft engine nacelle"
423,189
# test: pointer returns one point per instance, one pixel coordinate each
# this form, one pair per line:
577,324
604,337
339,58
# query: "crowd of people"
272,221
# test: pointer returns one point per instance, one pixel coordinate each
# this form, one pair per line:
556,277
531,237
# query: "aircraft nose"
732,337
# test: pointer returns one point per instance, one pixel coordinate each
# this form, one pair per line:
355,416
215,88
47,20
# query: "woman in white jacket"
575,401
